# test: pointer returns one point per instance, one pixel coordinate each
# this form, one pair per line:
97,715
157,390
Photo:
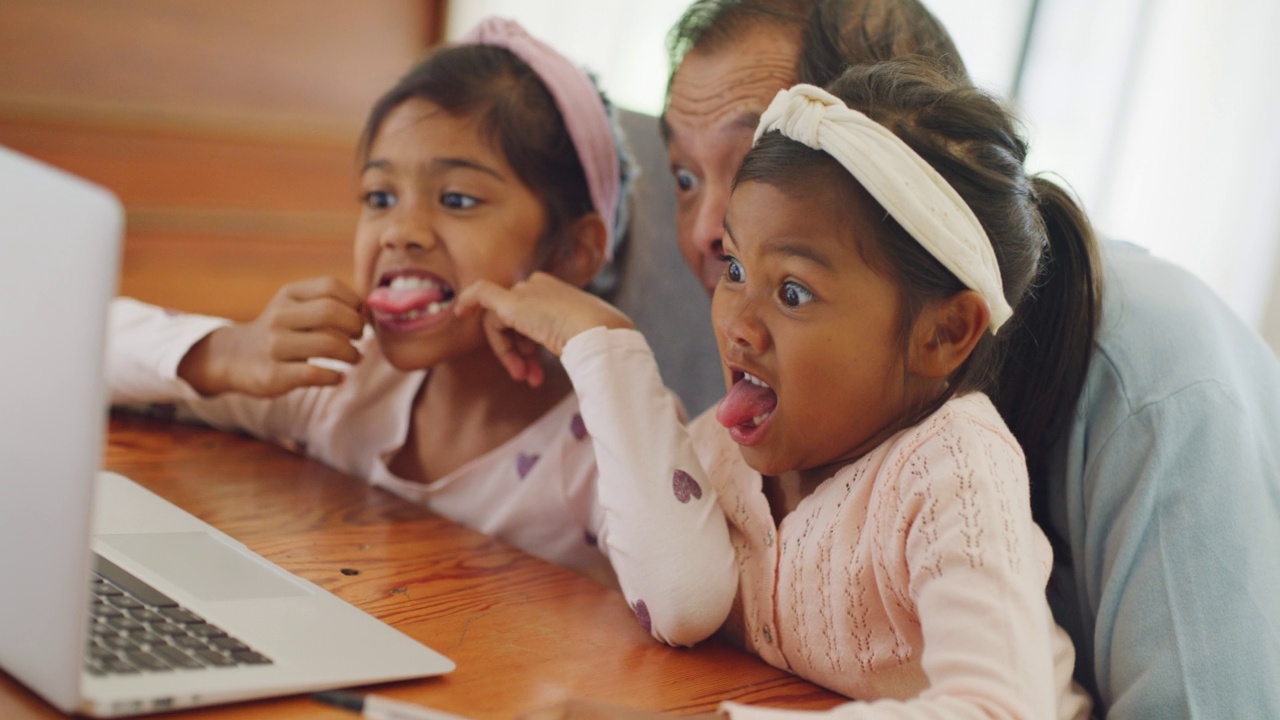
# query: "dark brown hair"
518,117
1034,368
843,33
832,34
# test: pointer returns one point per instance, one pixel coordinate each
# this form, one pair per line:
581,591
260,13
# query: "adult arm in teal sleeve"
1182,561
1166,497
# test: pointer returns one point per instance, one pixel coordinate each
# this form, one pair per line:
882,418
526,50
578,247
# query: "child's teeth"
759,419
431,309
409,282
753,379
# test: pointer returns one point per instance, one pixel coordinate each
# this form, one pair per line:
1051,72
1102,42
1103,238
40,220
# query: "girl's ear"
946,332
582,252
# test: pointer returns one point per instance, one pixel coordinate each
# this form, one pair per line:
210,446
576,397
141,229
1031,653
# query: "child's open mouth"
407,300
746,408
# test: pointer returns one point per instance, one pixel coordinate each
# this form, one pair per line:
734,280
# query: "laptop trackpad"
204,566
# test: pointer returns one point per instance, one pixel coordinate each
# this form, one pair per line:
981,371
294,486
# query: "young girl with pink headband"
880,238
490,160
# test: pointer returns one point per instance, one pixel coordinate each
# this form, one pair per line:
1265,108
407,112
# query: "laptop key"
167,628
118,667
147,661
188,642
146,615
216,659
227,644
103,611
117,642
175,657
124,624
180,615
205,630
146,637
125,602
249,657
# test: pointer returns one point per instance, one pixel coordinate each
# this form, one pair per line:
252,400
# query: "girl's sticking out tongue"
407,293
748,403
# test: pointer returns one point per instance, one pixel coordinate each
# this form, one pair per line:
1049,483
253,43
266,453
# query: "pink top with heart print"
540,491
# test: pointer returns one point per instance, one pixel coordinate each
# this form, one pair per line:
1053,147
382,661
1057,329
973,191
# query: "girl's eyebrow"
439,165
791,248
797,249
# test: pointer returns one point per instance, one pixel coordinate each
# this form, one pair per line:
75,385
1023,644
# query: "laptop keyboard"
134,628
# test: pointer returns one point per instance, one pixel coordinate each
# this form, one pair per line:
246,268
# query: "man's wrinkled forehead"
733,84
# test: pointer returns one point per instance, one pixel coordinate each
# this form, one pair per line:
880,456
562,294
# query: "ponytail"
1034,367
1050,345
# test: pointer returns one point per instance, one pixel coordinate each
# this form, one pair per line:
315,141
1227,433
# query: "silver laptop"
114,601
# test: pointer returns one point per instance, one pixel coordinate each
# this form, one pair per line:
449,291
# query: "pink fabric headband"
580,106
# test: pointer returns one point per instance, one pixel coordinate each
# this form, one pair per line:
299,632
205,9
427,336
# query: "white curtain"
621,41
1164,115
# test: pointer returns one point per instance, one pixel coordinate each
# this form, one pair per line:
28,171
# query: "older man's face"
716,101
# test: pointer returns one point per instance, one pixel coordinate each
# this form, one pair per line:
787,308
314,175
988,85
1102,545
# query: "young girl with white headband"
879,506
491,159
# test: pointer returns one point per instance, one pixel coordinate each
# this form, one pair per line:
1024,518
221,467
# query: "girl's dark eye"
379,199
733,271
458,201
794,294
685,180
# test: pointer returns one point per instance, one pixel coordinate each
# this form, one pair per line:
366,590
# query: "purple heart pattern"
525,463
685,487
578,427
642,615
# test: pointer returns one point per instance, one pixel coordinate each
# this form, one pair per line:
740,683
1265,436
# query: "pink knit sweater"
913,580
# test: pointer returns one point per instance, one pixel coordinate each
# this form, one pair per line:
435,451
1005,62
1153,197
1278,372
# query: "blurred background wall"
227,127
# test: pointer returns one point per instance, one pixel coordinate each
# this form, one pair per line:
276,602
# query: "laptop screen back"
60,240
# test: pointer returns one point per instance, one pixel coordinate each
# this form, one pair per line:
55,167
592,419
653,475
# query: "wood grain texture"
523,632
284,58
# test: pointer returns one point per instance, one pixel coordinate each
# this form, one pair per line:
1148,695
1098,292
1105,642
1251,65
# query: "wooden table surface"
524,633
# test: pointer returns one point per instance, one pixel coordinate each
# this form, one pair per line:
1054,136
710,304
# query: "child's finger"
322,287
480,295
506,346
293,375
292,346
321,313
528,352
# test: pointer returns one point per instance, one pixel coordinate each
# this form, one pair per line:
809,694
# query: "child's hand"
542,310
316,318
587,710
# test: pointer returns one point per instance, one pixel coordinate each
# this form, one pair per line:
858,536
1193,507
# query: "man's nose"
708,232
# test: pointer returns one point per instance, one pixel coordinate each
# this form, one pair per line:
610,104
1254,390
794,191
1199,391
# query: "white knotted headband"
922,202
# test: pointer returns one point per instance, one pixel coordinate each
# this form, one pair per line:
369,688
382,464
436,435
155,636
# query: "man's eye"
794,294
379,199
685,180
733,271
458,201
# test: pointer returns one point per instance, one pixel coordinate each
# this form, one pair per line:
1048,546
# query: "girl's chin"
757,459
409,354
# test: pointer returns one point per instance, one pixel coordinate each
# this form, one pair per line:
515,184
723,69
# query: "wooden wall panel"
320,60
227,127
